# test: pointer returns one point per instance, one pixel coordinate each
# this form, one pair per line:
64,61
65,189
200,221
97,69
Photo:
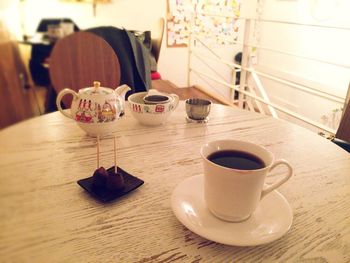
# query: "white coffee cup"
234,194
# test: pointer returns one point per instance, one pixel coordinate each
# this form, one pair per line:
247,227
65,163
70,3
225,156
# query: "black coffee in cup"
156,99
236,160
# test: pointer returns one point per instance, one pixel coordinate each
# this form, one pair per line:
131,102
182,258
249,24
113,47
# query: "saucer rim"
252,242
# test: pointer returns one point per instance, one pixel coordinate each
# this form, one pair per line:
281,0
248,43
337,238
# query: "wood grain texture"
17,96
157,37
46,217
81,58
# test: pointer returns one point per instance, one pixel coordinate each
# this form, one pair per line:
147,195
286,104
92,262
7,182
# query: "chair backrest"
157,38
81,58
343,131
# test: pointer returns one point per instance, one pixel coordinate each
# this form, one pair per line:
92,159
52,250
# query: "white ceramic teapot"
95,109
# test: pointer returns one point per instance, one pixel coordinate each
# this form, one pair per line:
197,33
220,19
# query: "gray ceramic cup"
197,109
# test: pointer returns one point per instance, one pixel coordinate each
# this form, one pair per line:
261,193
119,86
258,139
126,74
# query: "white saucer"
270,221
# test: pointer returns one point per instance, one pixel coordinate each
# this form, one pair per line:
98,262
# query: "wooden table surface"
45,216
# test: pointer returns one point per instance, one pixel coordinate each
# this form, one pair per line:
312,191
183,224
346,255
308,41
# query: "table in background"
47,217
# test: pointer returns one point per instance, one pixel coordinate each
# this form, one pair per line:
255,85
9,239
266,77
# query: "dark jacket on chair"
132,55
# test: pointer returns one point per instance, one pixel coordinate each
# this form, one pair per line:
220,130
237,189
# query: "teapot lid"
96,90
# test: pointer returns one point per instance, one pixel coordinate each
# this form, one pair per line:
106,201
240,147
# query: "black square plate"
105,195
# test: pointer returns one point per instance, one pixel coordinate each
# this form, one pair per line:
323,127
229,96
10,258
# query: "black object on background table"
41,51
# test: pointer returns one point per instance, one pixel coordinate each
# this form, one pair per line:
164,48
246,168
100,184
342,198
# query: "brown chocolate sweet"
100,177
115,181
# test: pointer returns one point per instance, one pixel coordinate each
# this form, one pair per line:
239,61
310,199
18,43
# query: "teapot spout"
122,90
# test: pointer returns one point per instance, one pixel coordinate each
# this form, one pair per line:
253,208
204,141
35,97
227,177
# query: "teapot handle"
59,98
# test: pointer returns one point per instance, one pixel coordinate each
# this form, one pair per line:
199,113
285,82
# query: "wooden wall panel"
16,102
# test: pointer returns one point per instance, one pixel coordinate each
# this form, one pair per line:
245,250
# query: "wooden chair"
157,38
81,58
17,95
343,131
342,136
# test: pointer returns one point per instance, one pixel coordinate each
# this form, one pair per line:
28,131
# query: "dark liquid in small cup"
156,98
236,160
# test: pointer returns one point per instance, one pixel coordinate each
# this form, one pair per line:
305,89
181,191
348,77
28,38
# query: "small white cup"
233,194
151,114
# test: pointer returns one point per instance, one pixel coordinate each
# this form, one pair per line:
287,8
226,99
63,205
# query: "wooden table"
46,217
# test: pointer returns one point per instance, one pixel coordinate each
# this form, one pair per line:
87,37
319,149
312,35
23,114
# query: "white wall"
226,52
323,44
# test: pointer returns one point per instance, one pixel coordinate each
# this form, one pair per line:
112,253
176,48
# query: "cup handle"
175,100
59,98
281,181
